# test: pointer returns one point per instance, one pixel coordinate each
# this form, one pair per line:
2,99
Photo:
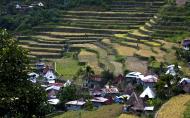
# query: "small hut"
186,44
135,103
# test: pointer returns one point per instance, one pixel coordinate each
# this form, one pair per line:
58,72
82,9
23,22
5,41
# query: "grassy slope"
67,67
174,107
108,111
187,110
127,116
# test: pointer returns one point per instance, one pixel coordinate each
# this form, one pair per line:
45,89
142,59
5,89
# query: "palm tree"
88,72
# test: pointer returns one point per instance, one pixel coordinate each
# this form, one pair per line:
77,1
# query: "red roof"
96,78
57,84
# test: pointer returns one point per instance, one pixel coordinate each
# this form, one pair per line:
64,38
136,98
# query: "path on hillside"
174,108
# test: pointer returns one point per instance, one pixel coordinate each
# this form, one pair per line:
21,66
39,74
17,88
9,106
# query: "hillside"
175,107
87,30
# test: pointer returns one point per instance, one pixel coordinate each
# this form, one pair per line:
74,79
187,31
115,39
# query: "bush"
88,106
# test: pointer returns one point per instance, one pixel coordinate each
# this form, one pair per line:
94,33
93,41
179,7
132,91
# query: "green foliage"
179,37
126,71
76,3
19,97
107,77
68,93
169,81
88,106
120,59
186,114
22,22
183,54
154,102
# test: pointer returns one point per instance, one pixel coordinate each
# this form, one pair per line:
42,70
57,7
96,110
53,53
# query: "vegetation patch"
108,111
68,67
128,116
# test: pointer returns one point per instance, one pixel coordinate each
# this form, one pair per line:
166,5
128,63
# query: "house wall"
73,107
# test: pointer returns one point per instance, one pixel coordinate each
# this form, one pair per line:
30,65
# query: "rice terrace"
95,58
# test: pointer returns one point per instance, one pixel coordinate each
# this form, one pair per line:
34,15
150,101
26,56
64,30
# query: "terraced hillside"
172,21
81,29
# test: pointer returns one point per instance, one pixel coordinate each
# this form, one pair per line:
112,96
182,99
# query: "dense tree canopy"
18,96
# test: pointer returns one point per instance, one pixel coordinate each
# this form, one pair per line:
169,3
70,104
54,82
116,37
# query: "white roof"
50,75
51,81
172,66
40,4
33,74
185,79
149,78
148,92
68,83
99,99
151,108
135,73
53,88
53,101
76,102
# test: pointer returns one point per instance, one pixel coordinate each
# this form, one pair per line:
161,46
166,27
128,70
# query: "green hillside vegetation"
108,111
67,67
173,23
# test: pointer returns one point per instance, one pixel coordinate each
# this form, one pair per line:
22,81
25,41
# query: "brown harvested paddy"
91,59
135,64
174,108
145,53
44,53
102,53
106,41
107,111
124,50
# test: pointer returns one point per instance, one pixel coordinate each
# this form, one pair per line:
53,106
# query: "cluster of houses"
46,76
132,100
24,7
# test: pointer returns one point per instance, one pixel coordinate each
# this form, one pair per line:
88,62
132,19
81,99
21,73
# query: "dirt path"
174,108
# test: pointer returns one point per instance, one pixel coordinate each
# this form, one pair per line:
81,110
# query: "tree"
18,96
107,77
68,93
89,105
88,72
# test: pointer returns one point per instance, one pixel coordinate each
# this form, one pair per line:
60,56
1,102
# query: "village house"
49,75
171,69
181,2
135,103
99,101
93,82
33,77
52,91
110,91
53,101
75,105
148,81
133,77
40,66
37,4
186,44
185,85
148,93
